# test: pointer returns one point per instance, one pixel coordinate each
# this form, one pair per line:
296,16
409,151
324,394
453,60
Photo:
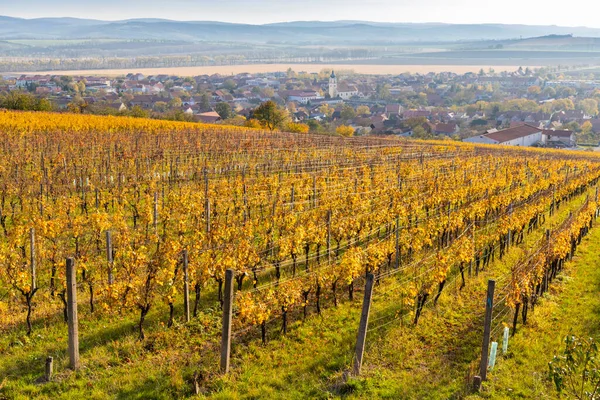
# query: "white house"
303,96
523,135
563,136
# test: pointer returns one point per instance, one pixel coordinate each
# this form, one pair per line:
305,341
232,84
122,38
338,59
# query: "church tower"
333,89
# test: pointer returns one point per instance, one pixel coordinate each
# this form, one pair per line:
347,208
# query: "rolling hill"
290,32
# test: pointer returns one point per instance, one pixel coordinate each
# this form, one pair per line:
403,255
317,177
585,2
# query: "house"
450,128
120,107
524,135
302,96
416,114
208,117
146,101
223,96
435,100
595,125
393,110
562,136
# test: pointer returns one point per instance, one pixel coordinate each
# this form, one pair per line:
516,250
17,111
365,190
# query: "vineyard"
155,213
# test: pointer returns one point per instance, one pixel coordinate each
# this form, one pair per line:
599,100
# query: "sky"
530,12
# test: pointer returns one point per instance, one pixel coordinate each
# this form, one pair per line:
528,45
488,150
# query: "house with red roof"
523,135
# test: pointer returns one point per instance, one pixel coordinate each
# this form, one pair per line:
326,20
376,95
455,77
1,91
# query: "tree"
549,92
313,125
588,106
224,110
175,102
160,106
229,84
138,112
586,128
534,90
363,110
347,112
22,101
294,127
238,120
420,133
205,101
327,110
344,130
253,123
270,115
383,91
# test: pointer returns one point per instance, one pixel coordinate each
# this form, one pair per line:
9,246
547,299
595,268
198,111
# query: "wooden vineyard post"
329,234
227,311
109,257
314,191
72,313
186,287
489,304
207,212
49,369
32,255
155,214
362,328
397,242
206,201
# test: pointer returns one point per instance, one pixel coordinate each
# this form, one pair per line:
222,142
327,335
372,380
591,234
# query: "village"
526,107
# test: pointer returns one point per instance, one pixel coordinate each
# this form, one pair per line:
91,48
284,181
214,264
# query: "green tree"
138,112
224,110
229,84
270,115
588,106
205,101
160,106
420,133
383,92
175,103
327,110
347,112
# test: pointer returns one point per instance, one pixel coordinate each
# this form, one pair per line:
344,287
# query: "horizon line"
151,19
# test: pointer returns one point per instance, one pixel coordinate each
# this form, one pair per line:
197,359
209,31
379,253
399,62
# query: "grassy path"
572,307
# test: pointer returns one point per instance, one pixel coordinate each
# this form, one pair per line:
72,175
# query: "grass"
433,360
572,307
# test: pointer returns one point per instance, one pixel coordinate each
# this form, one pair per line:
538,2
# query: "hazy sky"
534,12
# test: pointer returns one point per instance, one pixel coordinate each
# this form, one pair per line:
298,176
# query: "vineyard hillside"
152,259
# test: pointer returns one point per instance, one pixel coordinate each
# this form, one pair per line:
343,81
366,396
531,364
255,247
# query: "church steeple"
333,90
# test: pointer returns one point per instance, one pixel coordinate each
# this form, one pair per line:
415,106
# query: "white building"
341,90
303,96
523,135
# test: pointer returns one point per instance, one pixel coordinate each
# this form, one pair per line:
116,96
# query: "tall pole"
186,287
227,312
32,255
489,304
362,329
72,314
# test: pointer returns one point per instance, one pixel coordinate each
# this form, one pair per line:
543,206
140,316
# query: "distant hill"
290,32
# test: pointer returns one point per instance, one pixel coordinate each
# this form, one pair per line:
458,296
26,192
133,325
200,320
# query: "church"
342,90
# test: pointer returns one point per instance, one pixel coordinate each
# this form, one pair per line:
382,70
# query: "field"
171,227
265,68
